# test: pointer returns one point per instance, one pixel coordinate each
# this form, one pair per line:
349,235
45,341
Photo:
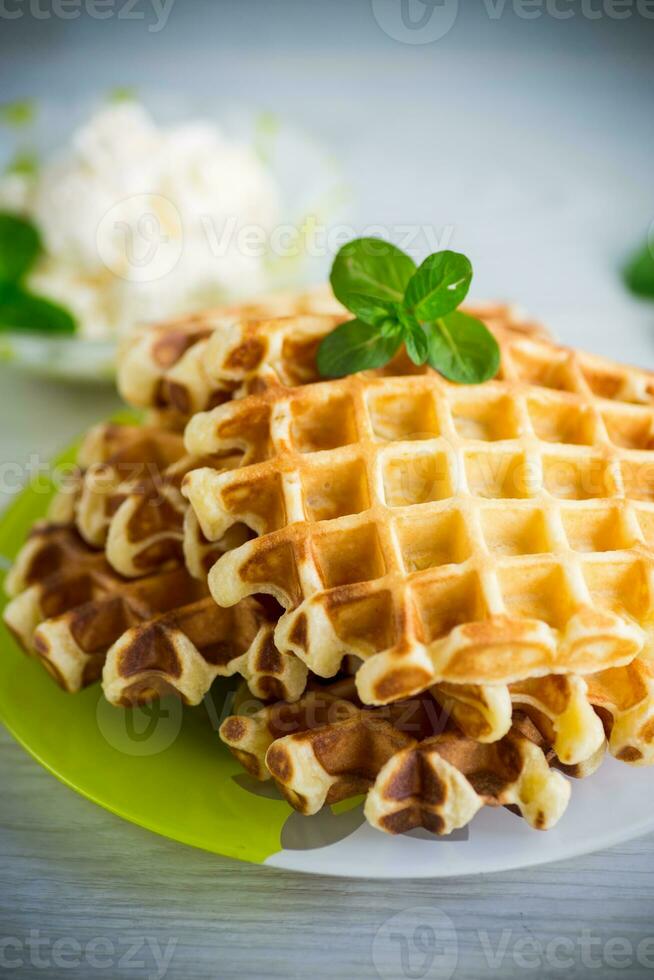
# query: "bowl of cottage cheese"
141,220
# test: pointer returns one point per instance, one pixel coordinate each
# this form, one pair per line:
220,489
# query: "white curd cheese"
142,222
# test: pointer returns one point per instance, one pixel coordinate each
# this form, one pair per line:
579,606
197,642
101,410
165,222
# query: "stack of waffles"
441,595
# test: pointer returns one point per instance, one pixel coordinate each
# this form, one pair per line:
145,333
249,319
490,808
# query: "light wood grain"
70,869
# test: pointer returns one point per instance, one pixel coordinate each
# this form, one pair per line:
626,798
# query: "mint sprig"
20,247
396,303
20,244
639,272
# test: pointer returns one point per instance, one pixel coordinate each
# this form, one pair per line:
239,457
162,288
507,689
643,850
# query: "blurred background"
519,133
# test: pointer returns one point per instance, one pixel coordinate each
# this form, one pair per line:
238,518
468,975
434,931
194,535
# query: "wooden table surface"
85,894
71,871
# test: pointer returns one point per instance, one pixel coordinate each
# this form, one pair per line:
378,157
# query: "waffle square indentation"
429,540
447,601
348,556
409,415
630,429
369,618
520,531
542,369
263,496
638,479
619,586
416,479
536,592
576,479
485,419
614,384
498,475
592,530
327,424
334,490
557,420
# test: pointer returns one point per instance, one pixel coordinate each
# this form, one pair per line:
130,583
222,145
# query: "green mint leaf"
639,273
463,349
19,246
22,311
389,327
369,277
415,338
355,346
439,285
417,345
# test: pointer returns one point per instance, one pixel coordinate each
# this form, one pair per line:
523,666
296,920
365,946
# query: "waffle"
485,712
223,357
467,534
164,366
193,365
575,712
160,634
253,355
415,771
126,499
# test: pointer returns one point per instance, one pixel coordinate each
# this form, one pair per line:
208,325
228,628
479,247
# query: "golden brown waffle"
127,499
112,454
162,633
575,712
471,534
242,354
252,355
192,365
207,359
415,772
485,712
165,366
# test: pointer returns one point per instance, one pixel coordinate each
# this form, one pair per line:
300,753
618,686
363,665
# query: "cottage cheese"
142,222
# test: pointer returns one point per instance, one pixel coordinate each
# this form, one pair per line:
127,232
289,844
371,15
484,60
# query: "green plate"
162,766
